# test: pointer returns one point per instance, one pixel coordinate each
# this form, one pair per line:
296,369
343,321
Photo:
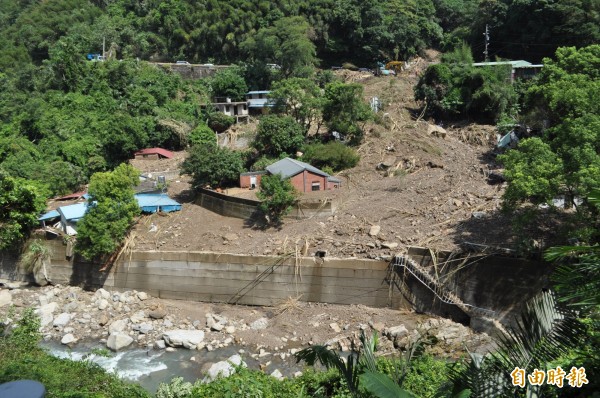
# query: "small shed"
152,203
153,153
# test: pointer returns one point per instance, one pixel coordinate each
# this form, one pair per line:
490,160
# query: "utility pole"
486,35
104,48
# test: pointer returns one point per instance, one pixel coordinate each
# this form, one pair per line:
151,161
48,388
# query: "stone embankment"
122,320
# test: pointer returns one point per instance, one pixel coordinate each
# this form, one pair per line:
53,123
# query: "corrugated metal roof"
154,151
75,195
334,179
253,173
151,203
260,103
289,167
258,92
48,216
515,64
73,212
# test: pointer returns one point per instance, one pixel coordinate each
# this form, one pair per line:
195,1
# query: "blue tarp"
151,203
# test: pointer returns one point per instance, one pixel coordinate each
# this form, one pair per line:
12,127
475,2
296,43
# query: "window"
316,186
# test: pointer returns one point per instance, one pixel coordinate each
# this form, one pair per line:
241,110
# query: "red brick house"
153,153
303,176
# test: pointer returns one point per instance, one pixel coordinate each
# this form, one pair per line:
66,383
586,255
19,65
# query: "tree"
565,159
344,108
277,135
277,196
212,165
454,88
21,202
287,44
229,83
299,98
202,135
112,208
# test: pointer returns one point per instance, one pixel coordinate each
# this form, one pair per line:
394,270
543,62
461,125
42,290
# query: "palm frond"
545,331
369,346
331,359
562,252
382,386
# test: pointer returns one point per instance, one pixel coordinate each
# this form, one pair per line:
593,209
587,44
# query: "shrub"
248,383
333,154
219,122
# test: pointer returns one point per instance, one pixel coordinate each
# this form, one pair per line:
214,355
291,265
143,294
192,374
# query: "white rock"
142,296
186,338
297,374
277,374
259,324
102,294
102,304
159,344
374,230
45,312
230,329
396,331
68,339
61,320
390,245
138,317
117,341
118,326
335,327
5,298
224,368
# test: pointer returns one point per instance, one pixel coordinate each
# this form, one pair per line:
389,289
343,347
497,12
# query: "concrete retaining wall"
216,277
231,206
501,284
225,205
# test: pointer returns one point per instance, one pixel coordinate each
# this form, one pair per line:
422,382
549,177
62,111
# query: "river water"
149,368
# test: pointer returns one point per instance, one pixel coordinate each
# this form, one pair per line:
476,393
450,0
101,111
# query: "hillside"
429,195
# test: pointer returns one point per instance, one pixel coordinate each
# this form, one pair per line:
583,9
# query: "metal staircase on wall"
441,292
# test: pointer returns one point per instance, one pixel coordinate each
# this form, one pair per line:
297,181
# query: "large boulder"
68,338
46,313
62,320
224,368
118,326
5,298
183,338
118,341
436,131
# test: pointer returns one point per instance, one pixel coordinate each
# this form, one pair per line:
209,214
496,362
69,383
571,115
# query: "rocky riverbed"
132,319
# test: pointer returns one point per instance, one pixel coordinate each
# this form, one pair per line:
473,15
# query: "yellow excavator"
396,66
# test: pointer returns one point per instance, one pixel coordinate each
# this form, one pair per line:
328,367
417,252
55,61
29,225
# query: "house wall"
245,181
303,181
150,156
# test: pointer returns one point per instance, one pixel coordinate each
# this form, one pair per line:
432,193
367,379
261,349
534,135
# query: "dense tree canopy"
565,160
213,166
20,203
112,208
